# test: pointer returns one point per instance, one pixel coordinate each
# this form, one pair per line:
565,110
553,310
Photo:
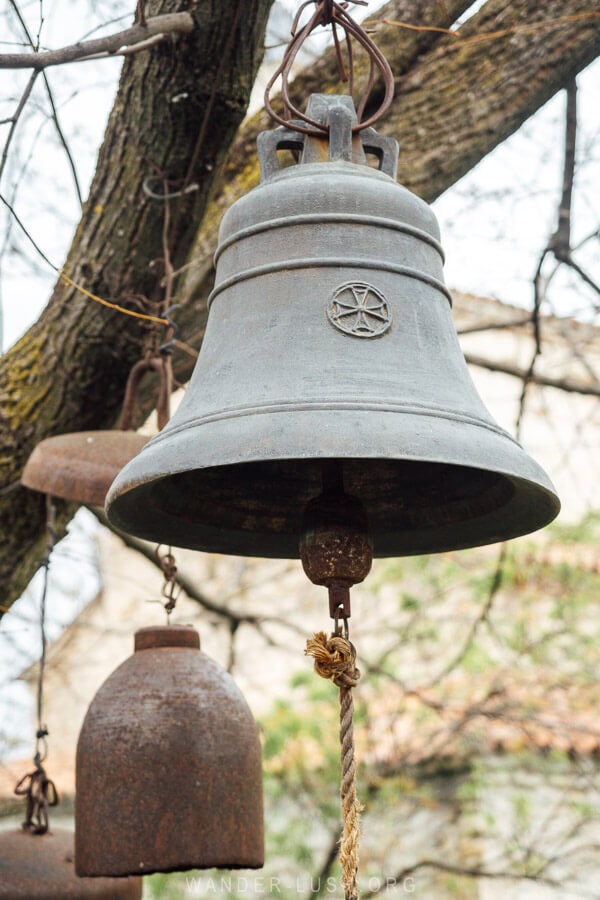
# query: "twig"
560,242
464,871
458,657
53,110
15,118
583,275
186,584
62,139
111,45
31,240
319,882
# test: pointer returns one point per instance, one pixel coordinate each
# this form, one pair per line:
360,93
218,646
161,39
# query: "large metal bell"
330,336
41,867
168,770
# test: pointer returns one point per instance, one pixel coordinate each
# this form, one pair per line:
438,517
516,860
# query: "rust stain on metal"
81,466
168,765
336,549
41,867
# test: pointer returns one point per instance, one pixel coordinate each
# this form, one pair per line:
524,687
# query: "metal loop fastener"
162,366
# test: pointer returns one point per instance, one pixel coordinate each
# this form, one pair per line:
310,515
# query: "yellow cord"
127,312
461,41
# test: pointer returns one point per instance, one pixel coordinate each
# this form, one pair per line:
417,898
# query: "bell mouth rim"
247,440
394,543
179,867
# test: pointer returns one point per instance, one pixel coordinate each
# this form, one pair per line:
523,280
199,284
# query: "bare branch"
15,118
136,37
53,110
562,384
234,619
319,882
465,872
29,237
62,139
560,242
495,585
583,275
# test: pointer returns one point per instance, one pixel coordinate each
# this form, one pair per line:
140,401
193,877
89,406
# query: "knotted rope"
335,658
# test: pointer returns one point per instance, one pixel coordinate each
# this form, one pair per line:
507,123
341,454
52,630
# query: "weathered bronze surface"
168,765
330,336
41,868
80,466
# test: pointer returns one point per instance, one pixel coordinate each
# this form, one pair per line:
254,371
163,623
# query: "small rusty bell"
41,868
81,466
168,768
330,337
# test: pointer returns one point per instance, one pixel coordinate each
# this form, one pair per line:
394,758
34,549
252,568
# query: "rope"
335,659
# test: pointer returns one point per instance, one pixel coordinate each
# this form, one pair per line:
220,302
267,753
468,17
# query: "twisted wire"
334,14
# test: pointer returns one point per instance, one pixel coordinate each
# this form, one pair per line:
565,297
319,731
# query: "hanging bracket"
339,143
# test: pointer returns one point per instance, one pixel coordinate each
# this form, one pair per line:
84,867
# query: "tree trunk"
177,110
456,100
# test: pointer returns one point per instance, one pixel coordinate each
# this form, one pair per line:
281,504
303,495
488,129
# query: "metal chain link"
170,589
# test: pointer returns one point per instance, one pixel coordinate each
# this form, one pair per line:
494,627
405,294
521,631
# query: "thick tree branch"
221,612
138,37
560,242
562,384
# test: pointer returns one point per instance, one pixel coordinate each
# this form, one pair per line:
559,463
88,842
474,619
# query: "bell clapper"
335,547
337,552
